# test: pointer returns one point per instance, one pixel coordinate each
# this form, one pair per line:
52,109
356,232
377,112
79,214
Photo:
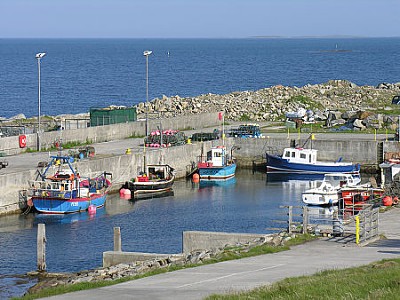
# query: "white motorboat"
327,191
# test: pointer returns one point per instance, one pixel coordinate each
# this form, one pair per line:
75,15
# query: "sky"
197,19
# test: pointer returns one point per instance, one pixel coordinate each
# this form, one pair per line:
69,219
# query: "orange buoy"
387,201
395,200
196,177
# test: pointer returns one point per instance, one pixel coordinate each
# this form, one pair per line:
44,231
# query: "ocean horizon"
79,73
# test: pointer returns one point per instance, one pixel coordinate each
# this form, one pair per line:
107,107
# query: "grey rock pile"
271,104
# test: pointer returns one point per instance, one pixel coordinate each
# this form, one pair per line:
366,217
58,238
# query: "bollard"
357,218
117,239
41,248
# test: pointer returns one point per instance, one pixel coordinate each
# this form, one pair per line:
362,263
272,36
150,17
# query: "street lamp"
39,56
147,53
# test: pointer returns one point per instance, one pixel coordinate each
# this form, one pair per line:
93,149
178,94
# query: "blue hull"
67,206
278,164
217,173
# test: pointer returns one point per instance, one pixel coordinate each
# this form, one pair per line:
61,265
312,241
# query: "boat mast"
223,128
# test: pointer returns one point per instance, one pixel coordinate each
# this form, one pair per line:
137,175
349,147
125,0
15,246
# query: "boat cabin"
341,179
155,173
216,156
300,155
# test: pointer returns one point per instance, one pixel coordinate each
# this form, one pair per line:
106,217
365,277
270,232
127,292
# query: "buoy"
387,201
92,209
395,200
128,151
122,192
196,177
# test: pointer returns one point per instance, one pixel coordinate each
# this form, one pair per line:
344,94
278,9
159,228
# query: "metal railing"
360,221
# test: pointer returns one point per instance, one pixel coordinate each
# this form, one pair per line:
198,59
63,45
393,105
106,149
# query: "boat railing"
56,189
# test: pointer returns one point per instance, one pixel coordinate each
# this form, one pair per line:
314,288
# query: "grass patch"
379,280
305,101
230,253
244,118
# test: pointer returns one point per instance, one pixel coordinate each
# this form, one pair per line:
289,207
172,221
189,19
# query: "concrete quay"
111,157
249,273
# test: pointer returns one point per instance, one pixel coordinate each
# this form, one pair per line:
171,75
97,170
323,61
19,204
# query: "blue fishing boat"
217,165
61,190
301,160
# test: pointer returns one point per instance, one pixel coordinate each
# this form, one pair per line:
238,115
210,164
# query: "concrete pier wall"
191,241
200,240
356,151
10,145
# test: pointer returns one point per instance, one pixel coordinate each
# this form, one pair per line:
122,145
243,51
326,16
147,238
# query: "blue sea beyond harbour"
78,74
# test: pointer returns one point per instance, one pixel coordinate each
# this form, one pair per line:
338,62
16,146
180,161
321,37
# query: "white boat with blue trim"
304,161
327,193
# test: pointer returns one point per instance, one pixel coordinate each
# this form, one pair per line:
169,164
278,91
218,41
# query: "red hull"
360,195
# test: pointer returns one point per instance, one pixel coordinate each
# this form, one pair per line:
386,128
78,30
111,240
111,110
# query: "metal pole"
147,93
38,132
290,219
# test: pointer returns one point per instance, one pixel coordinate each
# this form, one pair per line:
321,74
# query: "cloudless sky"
197,19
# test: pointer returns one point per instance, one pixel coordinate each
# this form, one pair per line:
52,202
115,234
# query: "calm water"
81,73
76,242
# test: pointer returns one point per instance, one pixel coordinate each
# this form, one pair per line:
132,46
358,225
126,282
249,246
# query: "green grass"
244,118
230,253
379,280
305,101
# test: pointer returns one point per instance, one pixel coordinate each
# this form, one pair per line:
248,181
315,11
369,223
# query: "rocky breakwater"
271,104
49,280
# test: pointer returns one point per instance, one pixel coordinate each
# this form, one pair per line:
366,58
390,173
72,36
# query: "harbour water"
77,74
250,204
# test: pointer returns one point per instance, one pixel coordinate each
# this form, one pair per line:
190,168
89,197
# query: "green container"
107,116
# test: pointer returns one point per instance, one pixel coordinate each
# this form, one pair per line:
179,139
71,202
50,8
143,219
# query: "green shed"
112,115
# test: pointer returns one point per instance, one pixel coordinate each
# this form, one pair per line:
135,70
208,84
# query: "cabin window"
309,158
287,154
217,154
303,156
293,154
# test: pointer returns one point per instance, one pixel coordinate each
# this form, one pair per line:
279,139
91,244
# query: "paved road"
248,273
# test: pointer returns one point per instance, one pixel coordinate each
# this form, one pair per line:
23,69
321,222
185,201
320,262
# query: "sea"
79,74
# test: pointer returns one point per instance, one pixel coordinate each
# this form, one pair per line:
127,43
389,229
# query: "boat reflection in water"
168,193
217,183
283,177
69,218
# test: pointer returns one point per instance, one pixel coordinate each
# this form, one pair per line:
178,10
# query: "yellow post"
375,133
357,218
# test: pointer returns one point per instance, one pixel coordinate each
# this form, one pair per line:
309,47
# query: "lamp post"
147,54
39,56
